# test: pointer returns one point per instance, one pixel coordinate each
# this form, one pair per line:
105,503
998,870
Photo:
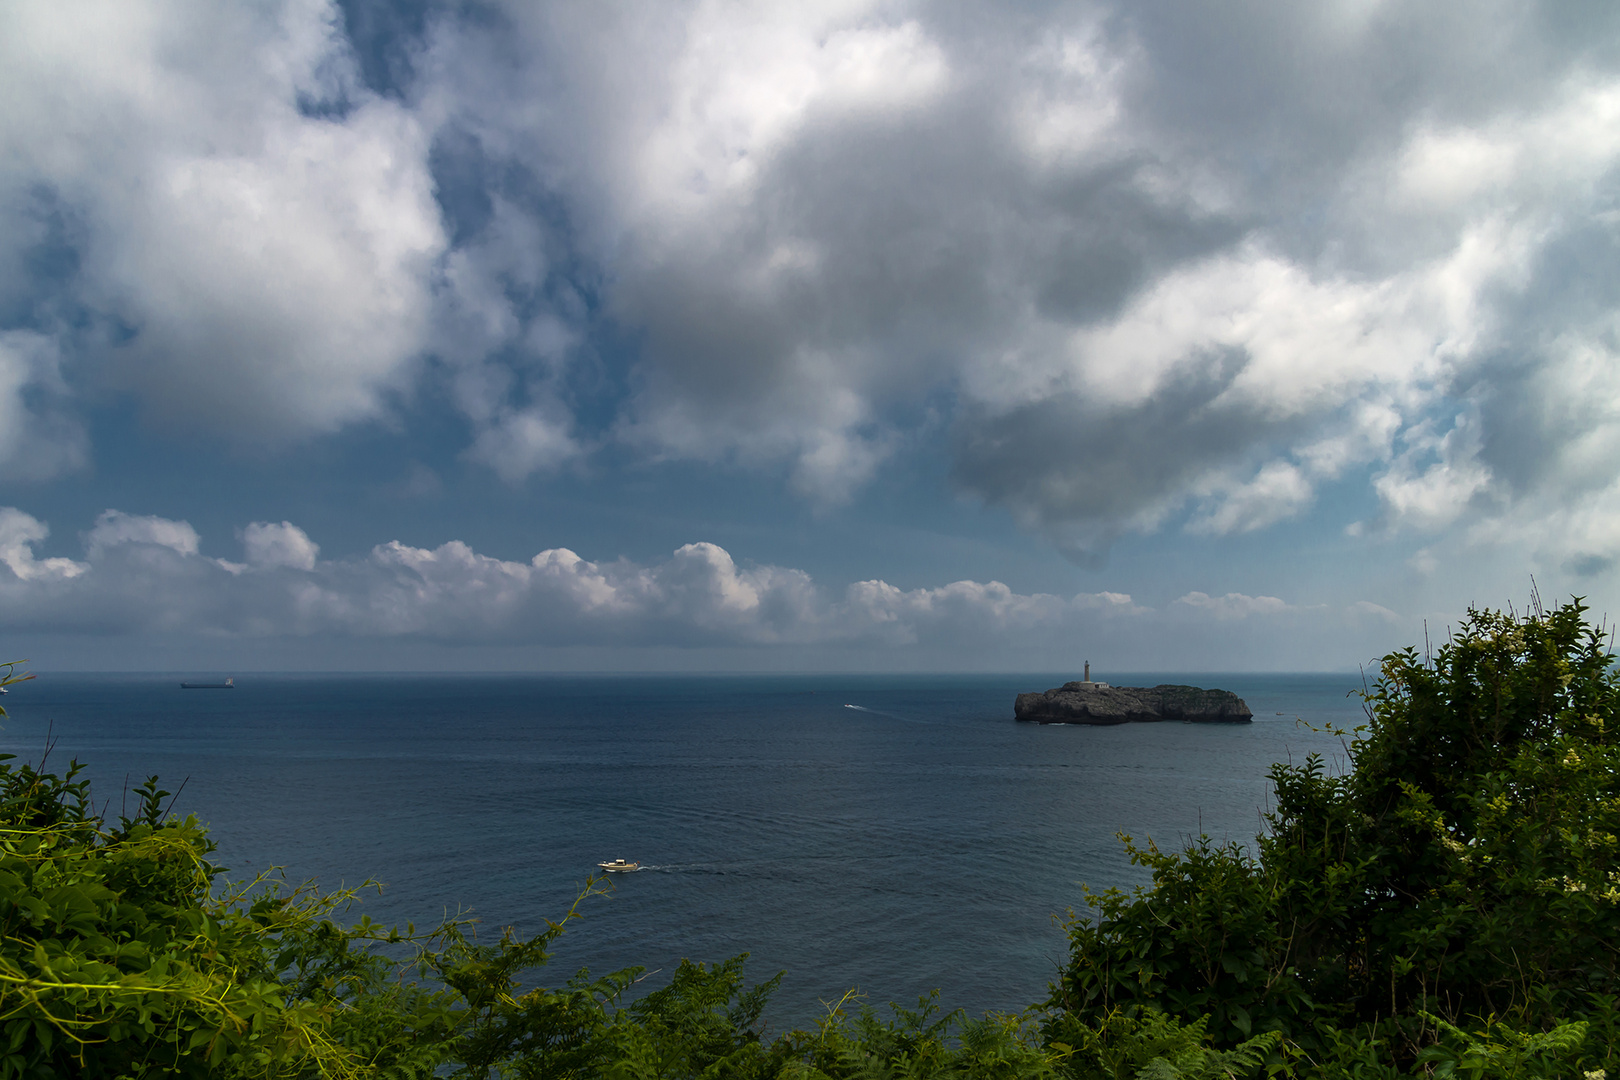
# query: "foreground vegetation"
1448,907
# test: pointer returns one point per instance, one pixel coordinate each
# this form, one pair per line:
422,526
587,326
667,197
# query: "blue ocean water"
891,834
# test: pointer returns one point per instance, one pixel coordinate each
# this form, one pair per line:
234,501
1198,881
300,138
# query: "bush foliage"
1448,906
1454,895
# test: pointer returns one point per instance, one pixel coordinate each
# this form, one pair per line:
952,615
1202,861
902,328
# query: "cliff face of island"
1099,703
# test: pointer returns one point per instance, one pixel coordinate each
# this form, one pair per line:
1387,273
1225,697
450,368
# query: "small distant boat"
228,684
619,866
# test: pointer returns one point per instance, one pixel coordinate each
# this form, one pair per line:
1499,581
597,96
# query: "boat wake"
890,715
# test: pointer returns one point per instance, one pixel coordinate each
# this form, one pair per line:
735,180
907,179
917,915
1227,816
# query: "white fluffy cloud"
19,532
252,233
266,546
114,527
140,574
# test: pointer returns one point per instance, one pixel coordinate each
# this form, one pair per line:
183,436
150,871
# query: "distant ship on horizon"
228,684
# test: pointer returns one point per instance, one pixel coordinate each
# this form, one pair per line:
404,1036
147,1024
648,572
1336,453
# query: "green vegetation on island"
1449,906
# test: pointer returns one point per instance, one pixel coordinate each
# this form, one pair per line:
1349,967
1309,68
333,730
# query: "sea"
883,835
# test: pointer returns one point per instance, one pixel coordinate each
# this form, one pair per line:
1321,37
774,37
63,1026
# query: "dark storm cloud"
1080,473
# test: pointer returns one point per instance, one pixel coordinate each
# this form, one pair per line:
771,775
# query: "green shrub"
1462,876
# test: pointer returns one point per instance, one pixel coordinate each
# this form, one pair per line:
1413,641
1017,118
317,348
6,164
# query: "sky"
843,336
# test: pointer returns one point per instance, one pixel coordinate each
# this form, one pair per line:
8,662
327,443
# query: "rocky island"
1098,703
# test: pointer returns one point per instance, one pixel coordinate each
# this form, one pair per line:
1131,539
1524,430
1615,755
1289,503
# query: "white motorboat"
619,866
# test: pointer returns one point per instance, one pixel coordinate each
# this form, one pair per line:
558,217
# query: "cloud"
250,231
146,582
903,616
114,527
19,532
1280,490
1375,611
143,573
268,546
1138,268
517,444
1433,482
1143,257
1113,602
1233,605
507,323
39,436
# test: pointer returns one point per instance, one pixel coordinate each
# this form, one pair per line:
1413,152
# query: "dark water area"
891,834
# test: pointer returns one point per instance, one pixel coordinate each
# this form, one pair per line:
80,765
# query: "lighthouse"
1088,671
